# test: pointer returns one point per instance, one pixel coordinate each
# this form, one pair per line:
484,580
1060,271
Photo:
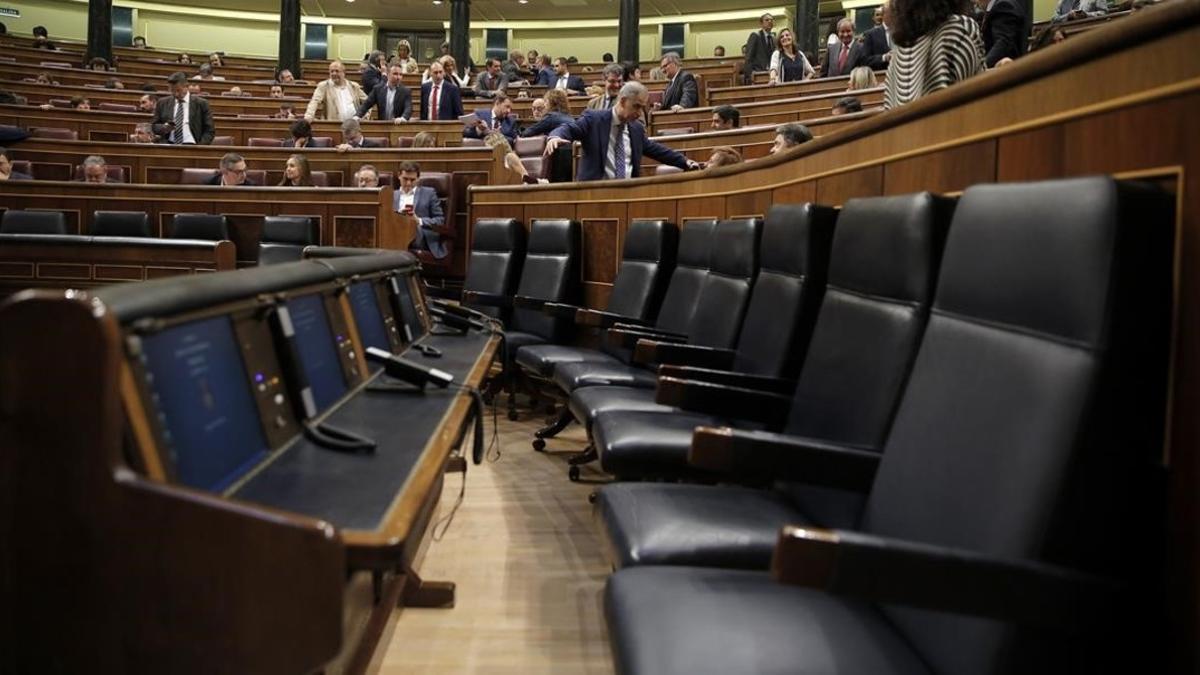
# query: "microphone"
456,321
465,312
413,373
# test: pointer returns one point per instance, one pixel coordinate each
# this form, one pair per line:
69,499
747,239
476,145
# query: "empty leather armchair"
32,222
120,224
284,239
1040,384
530,146
882,276
193,176
260,142
497,255
52,132
322,142
204,226
222,140
320,178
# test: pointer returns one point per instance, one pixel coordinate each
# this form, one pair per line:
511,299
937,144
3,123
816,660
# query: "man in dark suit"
440,99
491,81
352,137
844,55
181,118
423,204
563,79
392,100
615,140
1003,27
759,47
681,91
877,42
233,172
497,118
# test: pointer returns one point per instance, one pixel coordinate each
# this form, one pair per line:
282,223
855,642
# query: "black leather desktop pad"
354,491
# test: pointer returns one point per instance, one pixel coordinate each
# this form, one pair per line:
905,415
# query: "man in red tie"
440,99
845,55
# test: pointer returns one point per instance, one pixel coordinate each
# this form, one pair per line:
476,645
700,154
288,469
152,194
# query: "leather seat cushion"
645,443
514,340
587,403
543,359
693,525
667,620
572,376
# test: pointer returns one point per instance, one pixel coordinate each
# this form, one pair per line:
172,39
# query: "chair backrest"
33,222
321,142
117,107
378,141
675,131
691,269
1032,424
472,142
120,224
23,166
787,292
257,176
116,174
882,277
260,142
404,142
222,140
439,181
536,166
550,272
320,178
666,170
497,255
284,238
204,226
192,176
531,146
647,260
726,290
53,132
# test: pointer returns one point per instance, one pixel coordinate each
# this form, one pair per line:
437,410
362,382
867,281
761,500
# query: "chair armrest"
443,293
644,328
723,401
627,338
560,310
648,352
600,319
526,302
487,299
756,455
939,578
774,385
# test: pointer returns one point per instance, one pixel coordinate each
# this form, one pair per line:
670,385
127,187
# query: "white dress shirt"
407,201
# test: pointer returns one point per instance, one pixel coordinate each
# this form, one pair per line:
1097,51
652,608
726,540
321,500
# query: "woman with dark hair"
788,63
633,71
935,46
301,137
296,173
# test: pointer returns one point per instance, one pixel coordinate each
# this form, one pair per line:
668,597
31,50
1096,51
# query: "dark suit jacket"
199,119
834,53
508,126
875,45
401,104
449,105
550,122
17,175
593,127
574,82
546,77
758,54
428,208
1003,32
216,180
371,77
682,91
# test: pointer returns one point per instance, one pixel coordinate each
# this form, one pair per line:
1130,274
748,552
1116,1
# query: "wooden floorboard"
524,552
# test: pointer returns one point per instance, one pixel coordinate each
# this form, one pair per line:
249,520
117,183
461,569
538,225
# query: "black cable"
446,520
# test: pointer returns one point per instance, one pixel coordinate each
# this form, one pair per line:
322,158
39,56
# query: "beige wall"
62,19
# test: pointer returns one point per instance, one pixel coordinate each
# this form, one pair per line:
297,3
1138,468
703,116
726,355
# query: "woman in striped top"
935,46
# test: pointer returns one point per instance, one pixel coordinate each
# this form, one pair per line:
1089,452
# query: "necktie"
177,134
842,59
619,153
767,40
433,103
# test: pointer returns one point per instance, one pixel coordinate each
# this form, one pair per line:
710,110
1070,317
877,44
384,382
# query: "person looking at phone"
422,203
181,118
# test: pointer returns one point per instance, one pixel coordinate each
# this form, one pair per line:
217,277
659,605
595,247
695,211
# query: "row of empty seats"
915,407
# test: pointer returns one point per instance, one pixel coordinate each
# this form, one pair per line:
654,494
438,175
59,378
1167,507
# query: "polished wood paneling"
839,187
950,170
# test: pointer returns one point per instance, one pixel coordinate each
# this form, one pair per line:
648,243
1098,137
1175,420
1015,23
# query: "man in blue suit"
497,118
423,204
440,99
615,140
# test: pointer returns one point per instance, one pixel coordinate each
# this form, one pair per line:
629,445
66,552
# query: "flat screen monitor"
367,315
199,384
317,349
410,317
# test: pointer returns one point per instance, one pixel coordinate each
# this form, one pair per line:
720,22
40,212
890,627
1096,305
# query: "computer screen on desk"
317,348
200,386
367,315
411,324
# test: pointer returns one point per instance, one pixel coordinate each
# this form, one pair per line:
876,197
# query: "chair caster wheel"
539,444
573,474
512,415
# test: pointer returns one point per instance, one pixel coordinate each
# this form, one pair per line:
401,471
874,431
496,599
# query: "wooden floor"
524,552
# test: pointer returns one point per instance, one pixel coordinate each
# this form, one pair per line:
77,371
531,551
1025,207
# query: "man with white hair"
336,98
844,55
615,140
